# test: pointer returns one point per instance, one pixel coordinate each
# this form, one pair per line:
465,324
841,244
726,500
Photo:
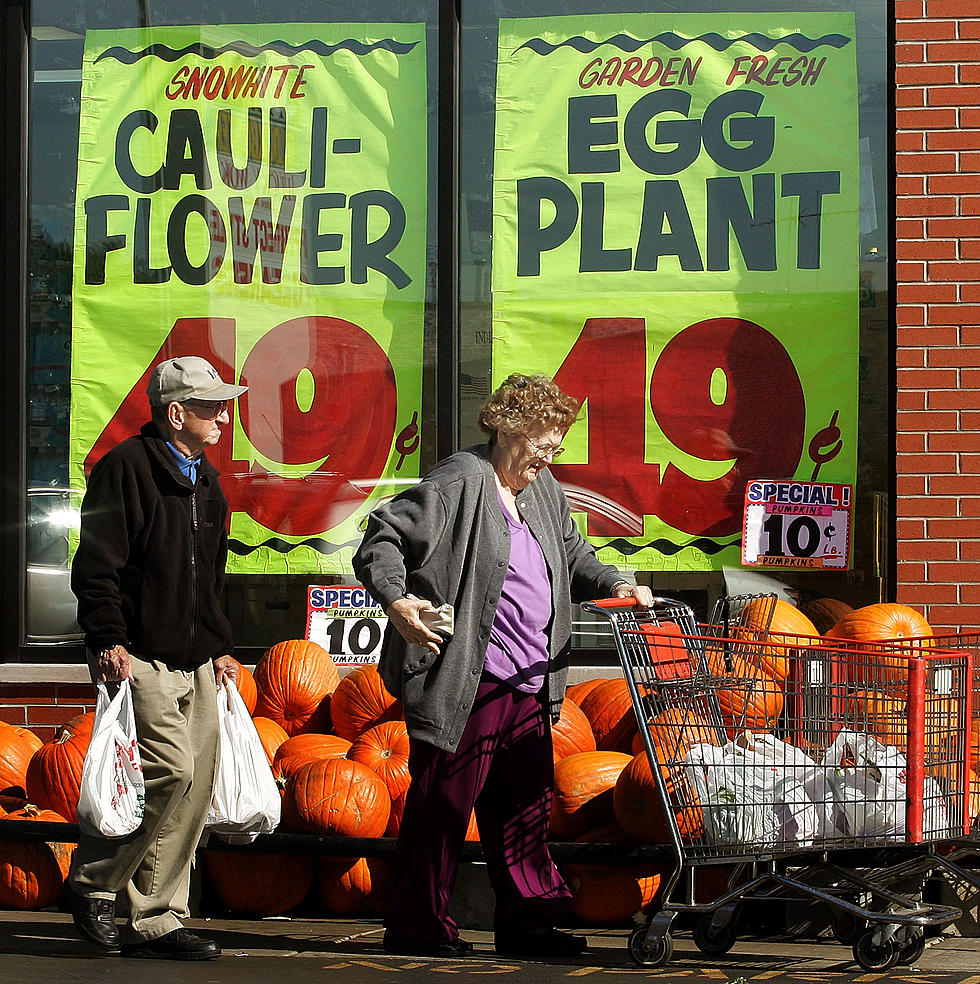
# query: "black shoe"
95,920
541,943
179,944
395,943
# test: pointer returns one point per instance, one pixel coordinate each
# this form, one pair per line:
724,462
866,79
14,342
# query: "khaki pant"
177,728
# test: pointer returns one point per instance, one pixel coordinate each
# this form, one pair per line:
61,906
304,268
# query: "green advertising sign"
256,194
675,238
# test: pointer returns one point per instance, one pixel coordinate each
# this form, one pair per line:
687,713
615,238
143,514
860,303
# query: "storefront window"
681,286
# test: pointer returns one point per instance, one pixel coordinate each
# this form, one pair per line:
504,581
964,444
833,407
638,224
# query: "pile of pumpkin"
338,749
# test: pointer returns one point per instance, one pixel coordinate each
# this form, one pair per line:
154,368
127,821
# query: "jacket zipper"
194,591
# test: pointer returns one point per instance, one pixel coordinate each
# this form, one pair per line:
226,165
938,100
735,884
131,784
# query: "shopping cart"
808,770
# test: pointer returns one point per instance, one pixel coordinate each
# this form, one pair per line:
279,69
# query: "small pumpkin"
572,732
245,683
825,613
355,886
54,775
360,702
301,750
292,679
583,796
17,745
271,735
384,748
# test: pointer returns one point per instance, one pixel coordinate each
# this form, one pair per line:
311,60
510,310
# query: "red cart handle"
628,602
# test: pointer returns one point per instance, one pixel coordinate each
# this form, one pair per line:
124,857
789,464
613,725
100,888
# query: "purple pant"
503,768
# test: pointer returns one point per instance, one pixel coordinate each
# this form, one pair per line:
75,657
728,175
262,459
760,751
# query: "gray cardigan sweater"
446,540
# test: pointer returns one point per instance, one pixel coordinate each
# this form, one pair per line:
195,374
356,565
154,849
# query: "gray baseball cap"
188,377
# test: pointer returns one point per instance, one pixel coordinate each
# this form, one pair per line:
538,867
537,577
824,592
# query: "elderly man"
148,574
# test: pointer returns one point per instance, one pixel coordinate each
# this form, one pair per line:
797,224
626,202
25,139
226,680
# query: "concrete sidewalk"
260,950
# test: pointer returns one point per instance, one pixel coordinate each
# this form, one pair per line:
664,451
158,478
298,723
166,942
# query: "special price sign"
346,621
797,524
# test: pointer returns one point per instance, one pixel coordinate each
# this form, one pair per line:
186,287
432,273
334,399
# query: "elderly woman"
489,532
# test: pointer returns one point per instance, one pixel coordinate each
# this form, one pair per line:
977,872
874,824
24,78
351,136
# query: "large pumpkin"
788,629
300,750
356,886
825,613
360,702
337,796
17,745
609,709
874,626
259,884
293,678
572,732
271,734
610,894
583,796
639,806
384,748
32,873
54,775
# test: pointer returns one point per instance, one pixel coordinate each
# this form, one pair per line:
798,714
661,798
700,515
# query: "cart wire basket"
814,770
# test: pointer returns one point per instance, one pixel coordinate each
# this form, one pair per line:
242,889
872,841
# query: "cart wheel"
912,949
875,957
647,951
714,942
846,928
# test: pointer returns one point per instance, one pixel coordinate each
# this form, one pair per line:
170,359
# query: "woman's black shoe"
541,943
404,947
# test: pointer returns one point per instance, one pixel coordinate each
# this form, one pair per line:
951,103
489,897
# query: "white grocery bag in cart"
869,783
110,795
246,801
748,801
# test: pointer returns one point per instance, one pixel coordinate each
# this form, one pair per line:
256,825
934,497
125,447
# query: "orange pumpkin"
79,727
259,884
384,748
337,796
271,735
583,796
572,732
246,686
54,775
301,750
32,873
788,629
360,702
293,678
610,894
639,807
609,709
579,691
17,745
674,730
875,626
753,702
825,613
356,886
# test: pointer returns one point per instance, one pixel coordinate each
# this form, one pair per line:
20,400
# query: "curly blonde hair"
521,402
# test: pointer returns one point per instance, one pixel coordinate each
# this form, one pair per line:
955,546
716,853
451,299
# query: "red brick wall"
937,249
44,707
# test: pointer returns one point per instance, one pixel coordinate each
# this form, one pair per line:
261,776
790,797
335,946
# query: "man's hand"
640,592
403,614
113,665
225,668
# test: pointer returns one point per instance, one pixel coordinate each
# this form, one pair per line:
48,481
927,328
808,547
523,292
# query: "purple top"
518,650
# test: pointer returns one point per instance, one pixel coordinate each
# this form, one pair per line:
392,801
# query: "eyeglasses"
208,411
542,450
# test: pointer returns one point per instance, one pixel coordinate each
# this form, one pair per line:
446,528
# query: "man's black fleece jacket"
151,556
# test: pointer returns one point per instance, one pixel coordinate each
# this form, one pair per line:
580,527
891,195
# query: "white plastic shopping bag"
246,800
110,798
747,800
